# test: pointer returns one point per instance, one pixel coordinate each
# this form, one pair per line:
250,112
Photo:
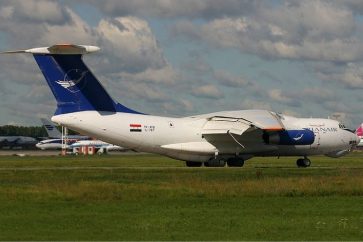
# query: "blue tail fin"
73,85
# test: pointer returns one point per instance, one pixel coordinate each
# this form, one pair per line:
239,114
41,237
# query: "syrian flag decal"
135,128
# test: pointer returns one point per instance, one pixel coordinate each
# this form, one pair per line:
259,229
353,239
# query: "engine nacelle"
290,137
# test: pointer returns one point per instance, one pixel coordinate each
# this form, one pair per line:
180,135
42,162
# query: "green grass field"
148,197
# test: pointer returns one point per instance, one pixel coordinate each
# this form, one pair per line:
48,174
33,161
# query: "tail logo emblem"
72,79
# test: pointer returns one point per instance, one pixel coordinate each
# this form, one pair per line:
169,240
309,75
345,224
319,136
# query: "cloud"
350,75
255,104
289,112
28,74
130,53
34,11
355,6
128,44
175,107
306,30
175,9
295,98
336,106
197,65
317,95
147,93
279,96
166,75
33,104
207,91
131,42
227,79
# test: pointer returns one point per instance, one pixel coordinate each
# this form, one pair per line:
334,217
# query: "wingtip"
13,52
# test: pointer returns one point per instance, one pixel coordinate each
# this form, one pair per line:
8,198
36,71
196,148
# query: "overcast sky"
184,57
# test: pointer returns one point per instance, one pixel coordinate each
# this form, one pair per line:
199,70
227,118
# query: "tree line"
31,131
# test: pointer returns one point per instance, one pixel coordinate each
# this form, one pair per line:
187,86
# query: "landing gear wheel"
299,163
215,162
305,162
235,162
193,164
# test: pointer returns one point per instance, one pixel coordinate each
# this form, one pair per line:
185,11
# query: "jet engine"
289,137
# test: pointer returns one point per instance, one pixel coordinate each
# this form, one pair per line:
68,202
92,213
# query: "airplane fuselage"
182,138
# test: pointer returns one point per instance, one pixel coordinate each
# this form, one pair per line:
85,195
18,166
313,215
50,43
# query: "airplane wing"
229,132
243,122
243,129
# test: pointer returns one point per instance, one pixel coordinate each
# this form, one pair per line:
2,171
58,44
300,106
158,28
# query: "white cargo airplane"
53,132
54,144
213,139
55,141
101,146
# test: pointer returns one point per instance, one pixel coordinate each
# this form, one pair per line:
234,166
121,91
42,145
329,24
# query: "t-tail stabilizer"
73,84
51,129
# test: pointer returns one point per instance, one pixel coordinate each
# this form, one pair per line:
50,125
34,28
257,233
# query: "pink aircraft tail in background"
359,130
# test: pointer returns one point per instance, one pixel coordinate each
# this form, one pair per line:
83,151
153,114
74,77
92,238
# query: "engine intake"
290,137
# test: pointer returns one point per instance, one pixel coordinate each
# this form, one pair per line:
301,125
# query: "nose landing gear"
303,162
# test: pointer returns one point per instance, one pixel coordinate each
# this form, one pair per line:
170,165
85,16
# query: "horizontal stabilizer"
59,49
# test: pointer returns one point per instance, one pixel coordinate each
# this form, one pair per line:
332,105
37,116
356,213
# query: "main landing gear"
235,162
303,162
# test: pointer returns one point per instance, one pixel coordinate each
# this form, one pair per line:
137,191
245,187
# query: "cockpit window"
342,126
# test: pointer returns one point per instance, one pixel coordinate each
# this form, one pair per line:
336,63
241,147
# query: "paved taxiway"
29,152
